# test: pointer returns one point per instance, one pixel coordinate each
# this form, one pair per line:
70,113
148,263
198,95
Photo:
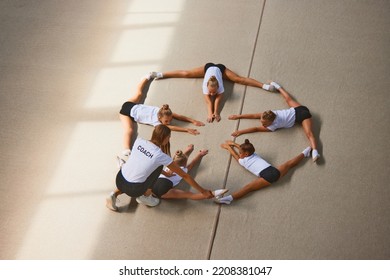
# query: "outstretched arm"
250,130
176,168
230,148
182,129
245,116
187,119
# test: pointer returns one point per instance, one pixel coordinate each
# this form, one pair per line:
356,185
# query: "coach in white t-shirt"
143,167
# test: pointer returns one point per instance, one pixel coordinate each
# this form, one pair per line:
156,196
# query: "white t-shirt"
213,71
175,179
145,157
284,119
145,114
254,163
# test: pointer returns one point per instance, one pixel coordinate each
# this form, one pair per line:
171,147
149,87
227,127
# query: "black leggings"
137,189
220,66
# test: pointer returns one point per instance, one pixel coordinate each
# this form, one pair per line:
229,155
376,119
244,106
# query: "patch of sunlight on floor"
147,34
154,6
71,211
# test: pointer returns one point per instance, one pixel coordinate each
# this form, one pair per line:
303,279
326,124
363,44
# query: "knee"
238,80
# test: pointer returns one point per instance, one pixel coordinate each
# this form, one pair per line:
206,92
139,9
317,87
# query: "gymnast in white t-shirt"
275,119
133,112
266,173
212,87
165,184
138,175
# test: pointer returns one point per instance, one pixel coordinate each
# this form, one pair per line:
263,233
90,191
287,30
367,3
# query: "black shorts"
126,109
162,186
137,189
270,174
210,64
301,113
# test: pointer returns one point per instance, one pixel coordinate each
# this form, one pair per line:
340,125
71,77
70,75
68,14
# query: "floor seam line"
216,220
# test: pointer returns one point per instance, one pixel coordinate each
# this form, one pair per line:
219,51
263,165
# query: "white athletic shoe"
315,155
306,152
224,200
156,75
150,200
111,202
219,193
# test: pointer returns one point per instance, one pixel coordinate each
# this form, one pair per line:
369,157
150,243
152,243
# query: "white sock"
315,155
306,152
159,75
266,86
276,85
156,75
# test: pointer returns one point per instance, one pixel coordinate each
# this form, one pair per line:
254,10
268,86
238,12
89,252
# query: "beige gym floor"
66,67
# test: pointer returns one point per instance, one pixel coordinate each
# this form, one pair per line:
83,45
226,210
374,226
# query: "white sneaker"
315,155
222,201
219,193
306,152
120,162
156,75
150,200
111,202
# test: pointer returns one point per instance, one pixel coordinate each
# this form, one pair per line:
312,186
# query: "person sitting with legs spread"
213,88
275,119
266,173
132,112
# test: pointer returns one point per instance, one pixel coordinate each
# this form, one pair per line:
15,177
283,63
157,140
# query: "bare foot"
189,149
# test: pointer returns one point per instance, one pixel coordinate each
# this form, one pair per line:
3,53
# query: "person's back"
144,159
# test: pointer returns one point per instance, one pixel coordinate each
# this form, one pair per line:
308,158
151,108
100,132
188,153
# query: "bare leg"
255,185
261,183
230,75
285,167
180,194
307,127
127,125
117,192
189,150
193,73
136,98
289,100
